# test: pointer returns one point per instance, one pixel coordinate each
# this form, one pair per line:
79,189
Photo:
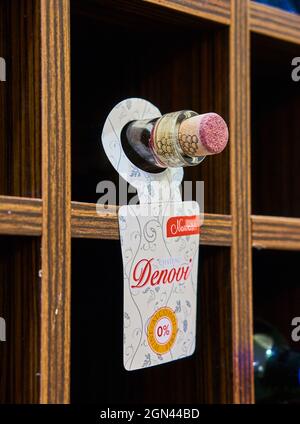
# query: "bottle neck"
155,144
136,139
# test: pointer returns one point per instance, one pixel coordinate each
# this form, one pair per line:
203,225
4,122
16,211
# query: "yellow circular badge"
162,330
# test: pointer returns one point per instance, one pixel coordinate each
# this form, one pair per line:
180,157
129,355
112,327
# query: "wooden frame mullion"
56,225
215,11
23,216
274,22
240,174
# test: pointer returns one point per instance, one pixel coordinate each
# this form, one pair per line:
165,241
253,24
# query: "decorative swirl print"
149,230
150,233
128,353
127,320
133,300
115,148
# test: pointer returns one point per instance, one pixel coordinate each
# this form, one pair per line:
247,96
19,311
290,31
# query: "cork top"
202,135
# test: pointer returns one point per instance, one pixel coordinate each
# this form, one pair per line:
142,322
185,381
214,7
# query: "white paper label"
160,244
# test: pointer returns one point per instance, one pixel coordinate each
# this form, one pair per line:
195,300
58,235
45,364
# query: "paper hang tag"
160,244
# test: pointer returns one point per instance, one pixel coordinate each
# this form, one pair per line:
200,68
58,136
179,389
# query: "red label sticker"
183,226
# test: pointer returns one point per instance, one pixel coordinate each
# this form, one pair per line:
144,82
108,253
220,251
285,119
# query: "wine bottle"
276,366
175,139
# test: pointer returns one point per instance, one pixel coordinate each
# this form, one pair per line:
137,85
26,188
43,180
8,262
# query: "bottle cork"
203,135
